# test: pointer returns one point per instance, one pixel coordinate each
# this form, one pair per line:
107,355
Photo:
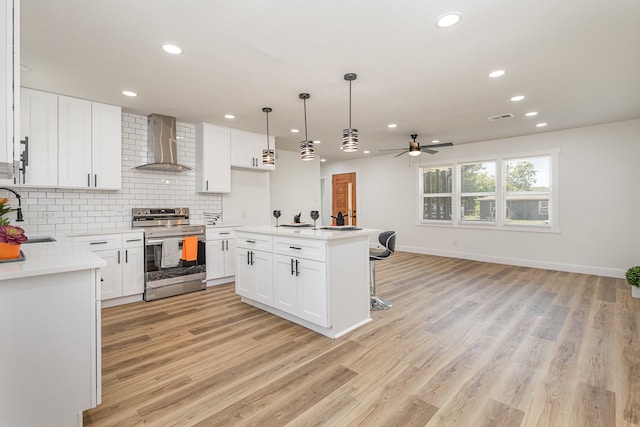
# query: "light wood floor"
466,344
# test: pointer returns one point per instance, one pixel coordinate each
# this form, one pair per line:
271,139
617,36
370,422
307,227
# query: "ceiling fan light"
414,150
349,140
306,150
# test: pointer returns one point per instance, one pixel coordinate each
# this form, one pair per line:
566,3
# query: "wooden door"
344,197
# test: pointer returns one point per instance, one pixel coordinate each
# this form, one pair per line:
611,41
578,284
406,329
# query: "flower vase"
9,251
635,291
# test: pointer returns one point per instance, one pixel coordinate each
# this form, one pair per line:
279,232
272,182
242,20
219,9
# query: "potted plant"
10,237
633,278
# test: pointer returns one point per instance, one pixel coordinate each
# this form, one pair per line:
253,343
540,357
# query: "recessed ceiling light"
129,93
317,142
531,114
392,125
517,98
172,49
541,125
229,116
323,160
496,73
448,20
295,130
435,141
366,151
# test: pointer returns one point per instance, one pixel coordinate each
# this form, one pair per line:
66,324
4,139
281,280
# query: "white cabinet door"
111,275
262,263
133,271
312,291
10,78
106,146
243,154
74,142
230,257
245,277
39,123
285,292
215,259
213,168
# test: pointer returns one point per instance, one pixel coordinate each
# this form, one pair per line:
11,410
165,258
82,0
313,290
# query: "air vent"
501,116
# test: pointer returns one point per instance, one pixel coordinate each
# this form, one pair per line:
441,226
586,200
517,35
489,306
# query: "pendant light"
350,135
268,155
306,146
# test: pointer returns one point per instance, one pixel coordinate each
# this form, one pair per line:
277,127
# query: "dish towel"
190,248
170,252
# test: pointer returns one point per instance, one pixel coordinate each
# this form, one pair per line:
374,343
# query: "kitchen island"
316,278
50,332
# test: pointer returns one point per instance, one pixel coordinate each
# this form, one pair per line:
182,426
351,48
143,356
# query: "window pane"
528,174
528,209
478,177
437,208
478,208
437,180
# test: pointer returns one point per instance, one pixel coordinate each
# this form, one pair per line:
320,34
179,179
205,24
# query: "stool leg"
377,303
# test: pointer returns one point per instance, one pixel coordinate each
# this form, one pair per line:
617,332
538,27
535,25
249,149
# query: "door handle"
126,256
227,244
251,257
297,271
95,180
118,256
248,257
292,266
222,243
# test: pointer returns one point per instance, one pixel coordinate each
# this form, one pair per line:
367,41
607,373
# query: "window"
527,190
436,189
500,193
478,192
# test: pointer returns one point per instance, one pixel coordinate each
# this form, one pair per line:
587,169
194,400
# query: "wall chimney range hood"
163,149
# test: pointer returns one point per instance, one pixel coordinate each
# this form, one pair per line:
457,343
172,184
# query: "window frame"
500,202
423,195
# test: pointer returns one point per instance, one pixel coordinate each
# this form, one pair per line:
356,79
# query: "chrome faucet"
19,217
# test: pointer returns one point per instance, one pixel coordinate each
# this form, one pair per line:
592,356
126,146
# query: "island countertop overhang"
308,232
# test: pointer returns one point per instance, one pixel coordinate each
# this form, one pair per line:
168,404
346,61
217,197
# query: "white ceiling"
576,61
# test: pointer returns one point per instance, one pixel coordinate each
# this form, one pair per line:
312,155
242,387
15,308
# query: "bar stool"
388,240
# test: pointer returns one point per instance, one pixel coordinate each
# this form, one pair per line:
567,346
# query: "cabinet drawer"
301,248
260,242
220,233
133,240
99,242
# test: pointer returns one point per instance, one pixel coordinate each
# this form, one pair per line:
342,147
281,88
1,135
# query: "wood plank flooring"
466,344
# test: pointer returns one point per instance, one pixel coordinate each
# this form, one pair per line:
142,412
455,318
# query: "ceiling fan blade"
393,149
400,154
428,150
444,144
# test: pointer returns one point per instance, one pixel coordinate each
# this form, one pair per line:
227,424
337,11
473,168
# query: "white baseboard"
520,262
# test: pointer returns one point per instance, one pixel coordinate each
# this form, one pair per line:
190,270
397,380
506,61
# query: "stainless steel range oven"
174,251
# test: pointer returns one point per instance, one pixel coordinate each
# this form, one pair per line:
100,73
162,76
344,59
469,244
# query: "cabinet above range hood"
163,149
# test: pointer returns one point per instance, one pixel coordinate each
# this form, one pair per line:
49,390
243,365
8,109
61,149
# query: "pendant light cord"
306,139
267,130
349,104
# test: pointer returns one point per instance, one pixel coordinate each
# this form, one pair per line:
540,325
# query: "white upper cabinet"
10,78
89,144
213,171
246,150
39,128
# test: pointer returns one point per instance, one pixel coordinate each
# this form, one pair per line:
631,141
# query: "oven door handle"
154,242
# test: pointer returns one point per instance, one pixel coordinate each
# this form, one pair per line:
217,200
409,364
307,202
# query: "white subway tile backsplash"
62,211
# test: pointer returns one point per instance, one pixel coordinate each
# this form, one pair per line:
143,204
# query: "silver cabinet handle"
133,240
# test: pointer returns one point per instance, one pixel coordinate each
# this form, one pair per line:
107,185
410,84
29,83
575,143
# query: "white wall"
248,202
598,202
295,187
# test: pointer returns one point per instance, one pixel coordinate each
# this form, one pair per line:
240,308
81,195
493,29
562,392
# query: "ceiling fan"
415,149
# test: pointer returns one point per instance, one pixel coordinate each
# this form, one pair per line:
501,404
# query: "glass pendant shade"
306,150
268,157
350,140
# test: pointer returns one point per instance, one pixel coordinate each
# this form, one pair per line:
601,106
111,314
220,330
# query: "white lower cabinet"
124,253
221,253
300,288
254,275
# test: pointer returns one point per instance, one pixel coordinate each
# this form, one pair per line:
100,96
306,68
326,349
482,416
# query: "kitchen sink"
40,239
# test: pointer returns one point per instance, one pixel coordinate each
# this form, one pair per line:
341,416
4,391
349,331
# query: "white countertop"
309,232
50,258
